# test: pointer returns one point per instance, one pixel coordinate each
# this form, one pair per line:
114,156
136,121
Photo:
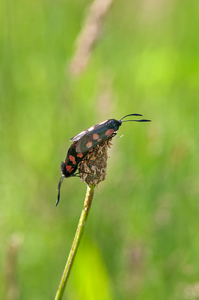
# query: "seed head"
92,169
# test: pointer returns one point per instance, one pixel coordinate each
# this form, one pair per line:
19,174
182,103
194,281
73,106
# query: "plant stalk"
76,241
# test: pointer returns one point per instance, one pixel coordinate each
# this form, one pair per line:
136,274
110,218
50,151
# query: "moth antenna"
139,115
142,120
58,188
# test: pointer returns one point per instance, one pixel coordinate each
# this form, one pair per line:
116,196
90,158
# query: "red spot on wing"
72,158
80,155
99,140
95,136
109,132
89,144
68,168
71,170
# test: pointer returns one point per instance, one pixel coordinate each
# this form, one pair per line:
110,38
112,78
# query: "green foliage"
141,240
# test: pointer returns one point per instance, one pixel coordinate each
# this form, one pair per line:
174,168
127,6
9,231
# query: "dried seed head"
92,169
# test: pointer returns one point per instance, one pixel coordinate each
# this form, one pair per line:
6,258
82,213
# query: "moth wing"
78,136
93,137
81,134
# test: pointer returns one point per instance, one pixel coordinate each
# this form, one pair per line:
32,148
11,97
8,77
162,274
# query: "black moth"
87,140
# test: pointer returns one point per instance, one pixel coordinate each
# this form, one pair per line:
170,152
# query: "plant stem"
78,235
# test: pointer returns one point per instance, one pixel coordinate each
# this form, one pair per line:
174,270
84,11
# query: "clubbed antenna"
142,120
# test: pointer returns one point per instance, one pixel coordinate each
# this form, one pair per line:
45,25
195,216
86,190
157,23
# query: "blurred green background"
142,236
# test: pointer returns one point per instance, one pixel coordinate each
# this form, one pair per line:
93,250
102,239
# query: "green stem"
78,235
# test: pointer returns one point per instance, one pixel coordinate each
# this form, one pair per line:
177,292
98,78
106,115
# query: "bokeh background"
63,69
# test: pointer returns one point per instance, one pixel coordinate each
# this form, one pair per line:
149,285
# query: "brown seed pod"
92,169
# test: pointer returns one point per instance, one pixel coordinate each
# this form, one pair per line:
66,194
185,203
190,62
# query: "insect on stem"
87,140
